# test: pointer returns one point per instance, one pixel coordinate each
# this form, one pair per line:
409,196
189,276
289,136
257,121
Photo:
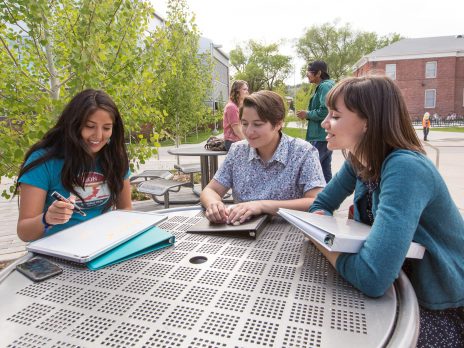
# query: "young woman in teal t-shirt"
83,157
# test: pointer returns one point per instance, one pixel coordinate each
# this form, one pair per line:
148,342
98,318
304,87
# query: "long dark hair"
235,91
64,141
378,100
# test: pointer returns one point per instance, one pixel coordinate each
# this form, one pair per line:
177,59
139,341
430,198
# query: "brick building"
429,72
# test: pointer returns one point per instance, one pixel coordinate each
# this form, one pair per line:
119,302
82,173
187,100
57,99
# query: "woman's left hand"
244,211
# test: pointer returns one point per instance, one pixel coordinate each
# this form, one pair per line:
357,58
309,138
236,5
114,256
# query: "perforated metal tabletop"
276,291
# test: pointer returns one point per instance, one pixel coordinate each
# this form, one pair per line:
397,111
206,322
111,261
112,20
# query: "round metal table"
208,160
275,291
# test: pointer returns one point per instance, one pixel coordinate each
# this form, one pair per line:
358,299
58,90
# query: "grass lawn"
191,139
448,129
295,132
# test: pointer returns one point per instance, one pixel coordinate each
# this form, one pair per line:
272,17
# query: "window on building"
390,71
430,70
430,98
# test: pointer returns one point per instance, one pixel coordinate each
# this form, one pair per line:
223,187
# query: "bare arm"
331,256
211,199
237,127
124,200
32,201
243,211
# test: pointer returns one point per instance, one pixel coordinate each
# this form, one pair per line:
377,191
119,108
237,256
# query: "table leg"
213,166
204,171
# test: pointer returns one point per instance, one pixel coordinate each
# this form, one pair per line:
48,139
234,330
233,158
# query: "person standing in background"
317,111
426,125
231,122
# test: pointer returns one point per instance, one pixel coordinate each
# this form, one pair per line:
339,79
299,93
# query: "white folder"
336,234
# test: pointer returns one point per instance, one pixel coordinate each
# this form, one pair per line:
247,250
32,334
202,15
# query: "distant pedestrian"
231,122
426,125
317,110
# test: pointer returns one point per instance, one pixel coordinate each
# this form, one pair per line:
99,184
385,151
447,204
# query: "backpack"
215,144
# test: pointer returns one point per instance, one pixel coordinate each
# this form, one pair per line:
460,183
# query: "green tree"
51,50
262,66
339,46
302,96
187,75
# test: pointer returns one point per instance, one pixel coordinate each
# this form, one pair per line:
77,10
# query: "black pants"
426,132
441,329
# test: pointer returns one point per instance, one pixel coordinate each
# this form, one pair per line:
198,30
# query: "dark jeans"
325,157
426,132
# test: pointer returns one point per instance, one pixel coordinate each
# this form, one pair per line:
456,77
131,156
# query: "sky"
233,22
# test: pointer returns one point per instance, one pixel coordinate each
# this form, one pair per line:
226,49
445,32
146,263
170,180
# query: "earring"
109,141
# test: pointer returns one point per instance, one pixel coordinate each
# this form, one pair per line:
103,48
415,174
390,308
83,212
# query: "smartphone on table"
38,269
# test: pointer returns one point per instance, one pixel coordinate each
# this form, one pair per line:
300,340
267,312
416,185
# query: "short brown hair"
378,100
269,106
235,90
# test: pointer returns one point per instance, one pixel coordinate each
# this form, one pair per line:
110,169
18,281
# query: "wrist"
264,207
47,226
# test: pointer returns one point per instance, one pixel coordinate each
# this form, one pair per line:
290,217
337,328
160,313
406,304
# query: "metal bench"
162,187
150,174
190,169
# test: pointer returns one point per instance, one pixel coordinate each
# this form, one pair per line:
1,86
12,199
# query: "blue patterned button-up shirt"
293,170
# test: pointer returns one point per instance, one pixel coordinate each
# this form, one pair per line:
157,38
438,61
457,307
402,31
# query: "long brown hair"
378,100
235,91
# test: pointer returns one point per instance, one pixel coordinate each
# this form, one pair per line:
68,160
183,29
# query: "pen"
59,197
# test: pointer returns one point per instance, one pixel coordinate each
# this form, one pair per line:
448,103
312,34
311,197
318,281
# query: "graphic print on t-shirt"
95,193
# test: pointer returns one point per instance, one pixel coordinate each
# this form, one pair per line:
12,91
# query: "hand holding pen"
61,209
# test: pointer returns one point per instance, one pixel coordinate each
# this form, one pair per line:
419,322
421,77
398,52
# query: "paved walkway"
450,160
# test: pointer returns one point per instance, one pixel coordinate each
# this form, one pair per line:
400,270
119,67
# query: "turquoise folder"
153,239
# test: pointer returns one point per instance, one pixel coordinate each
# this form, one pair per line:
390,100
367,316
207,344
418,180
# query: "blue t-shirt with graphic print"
47,176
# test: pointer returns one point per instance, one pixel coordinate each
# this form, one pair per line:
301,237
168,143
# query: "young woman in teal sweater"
400,193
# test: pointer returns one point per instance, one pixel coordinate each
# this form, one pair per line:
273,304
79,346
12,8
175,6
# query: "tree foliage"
339,46
262,66
303,95
187,75
51,50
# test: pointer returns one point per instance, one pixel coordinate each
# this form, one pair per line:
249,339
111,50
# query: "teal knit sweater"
411,202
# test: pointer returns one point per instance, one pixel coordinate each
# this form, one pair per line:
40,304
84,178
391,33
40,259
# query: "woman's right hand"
301,114
217,212
60,212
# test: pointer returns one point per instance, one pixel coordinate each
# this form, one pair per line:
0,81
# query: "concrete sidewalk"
444,148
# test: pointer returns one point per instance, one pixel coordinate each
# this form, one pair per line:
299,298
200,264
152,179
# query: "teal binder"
153,239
